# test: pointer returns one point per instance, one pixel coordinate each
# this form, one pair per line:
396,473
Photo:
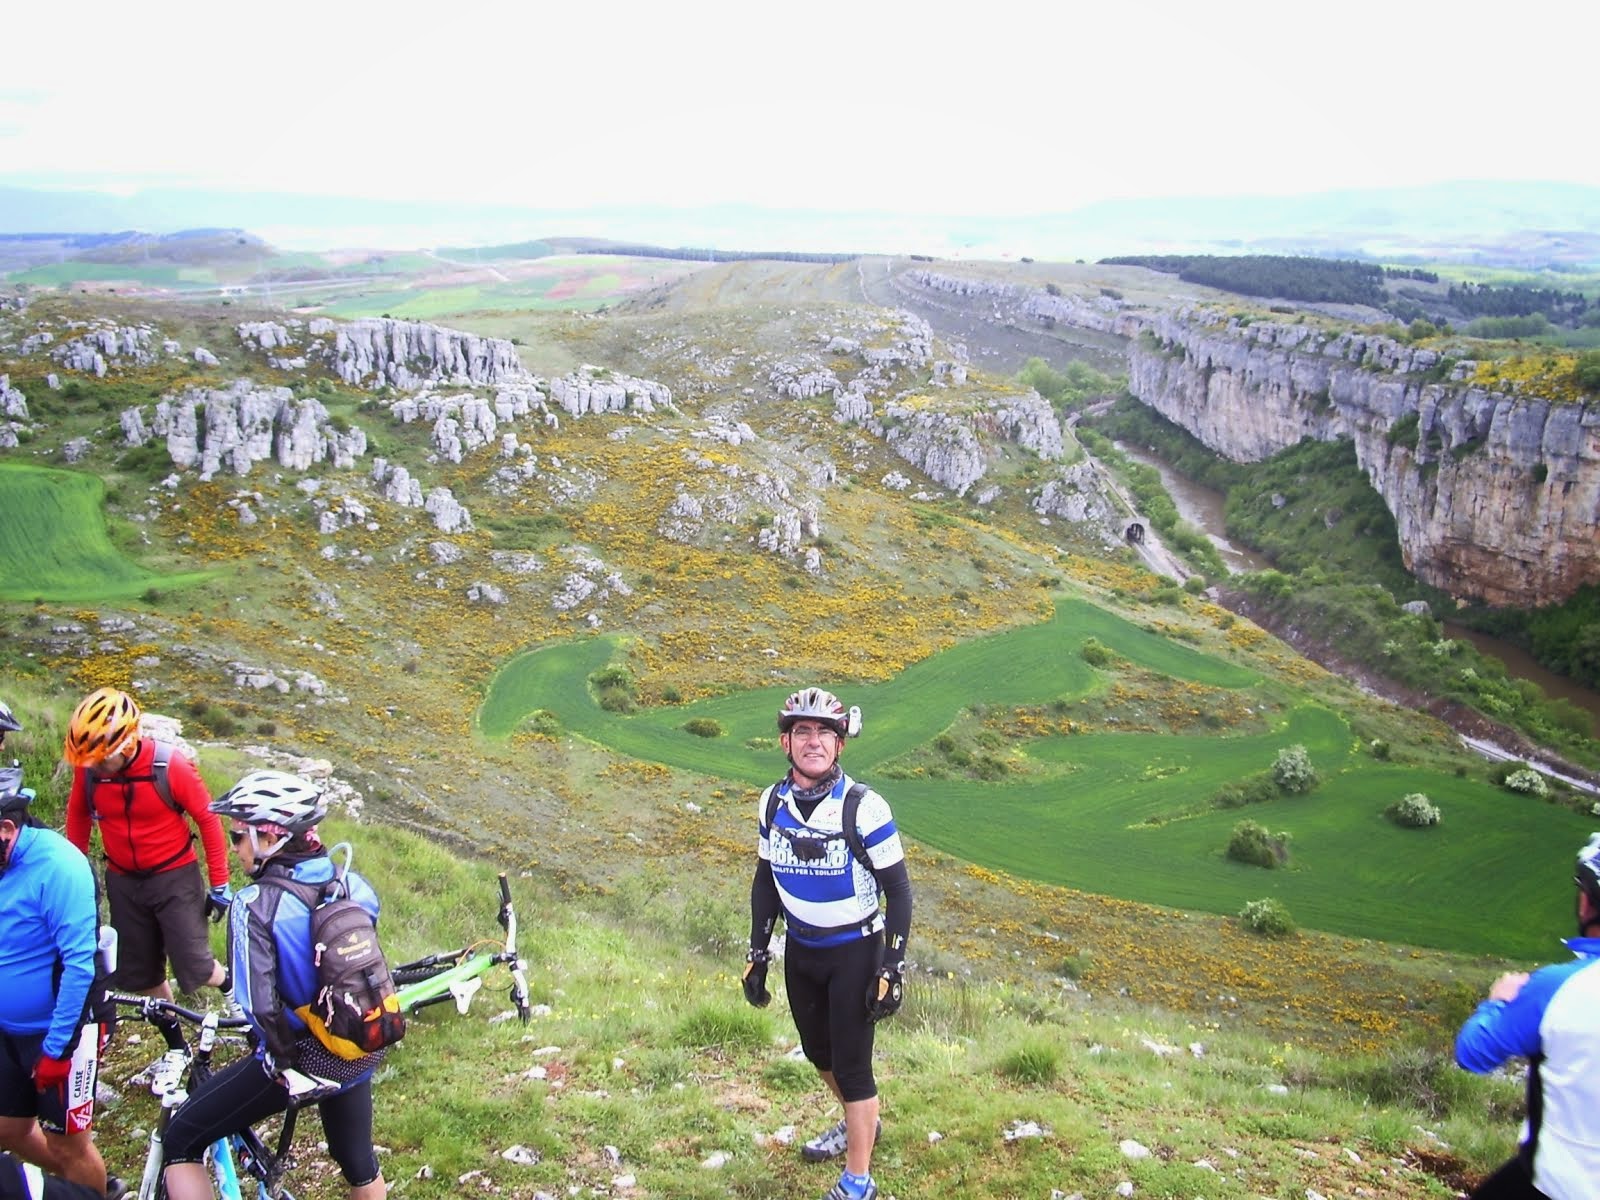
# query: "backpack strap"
160,765
852,832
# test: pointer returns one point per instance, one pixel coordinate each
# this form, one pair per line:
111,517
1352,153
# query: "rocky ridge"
1496,495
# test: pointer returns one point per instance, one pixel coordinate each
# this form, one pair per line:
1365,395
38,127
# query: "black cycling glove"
886,992
754,979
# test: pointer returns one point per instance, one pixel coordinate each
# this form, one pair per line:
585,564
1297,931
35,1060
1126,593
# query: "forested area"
1289,277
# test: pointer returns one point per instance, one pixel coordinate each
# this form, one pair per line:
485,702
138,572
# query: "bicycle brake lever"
519,992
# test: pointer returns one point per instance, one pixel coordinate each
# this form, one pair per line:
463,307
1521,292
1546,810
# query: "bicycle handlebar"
150,1007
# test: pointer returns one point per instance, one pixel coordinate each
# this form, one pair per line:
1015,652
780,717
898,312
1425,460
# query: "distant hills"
1524,225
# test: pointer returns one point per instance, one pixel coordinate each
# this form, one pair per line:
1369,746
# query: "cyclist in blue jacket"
49,1049
1551,1018
845,955
274,817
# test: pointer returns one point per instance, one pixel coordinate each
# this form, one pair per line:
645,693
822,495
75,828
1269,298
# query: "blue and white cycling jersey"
1554,1022
831,892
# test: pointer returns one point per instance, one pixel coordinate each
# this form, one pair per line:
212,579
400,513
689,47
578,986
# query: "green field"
53,542
1127,814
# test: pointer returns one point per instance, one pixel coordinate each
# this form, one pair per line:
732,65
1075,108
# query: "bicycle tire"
404,977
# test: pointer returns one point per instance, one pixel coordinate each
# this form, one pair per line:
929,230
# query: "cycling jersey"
47,901
269,938
1554,1022
828,898
139,832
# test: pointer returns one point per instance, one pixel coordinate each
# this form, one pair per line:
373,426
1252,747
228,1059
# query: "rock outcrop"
1496,496
241,425
410,355
13,413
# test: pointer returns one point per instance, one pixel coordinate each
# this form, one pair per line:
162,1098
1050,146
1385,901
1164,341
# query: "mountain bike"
457,975
184,1067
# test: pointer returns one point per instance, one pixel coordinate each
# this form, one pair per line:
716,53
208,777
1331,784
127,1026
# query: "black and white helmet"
815,704
273,798
8,721
1587,872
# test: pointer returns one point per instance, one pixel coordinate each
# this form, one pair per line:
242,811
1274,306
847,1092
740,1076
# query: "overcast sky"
984,107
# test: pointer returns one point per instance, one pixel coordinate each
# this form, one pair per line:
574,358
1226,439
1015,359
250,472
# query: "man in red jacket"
157,897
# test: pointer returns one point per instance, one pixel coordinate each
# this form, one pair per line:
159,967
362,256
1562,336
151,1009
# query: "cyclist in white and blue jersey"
845,955
1552,1019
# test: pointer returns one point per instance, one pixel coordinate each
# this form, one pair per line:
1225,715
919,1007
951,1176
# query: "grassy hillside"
643,1061
1057,798
53,543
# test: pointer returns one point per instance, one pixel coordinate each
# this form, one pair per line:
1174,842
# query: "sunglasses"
237,835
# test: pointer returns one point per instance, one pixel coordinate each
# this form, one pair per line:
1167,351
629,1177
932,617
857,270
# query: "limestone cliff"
1496,496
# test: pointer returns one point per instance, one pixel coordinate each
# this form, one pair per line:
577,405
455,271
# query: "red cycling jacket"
139,833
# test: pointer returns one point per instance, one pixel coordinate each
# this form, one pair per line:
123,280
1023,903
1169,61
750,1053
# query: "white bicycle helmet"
815,704
8,722
273,798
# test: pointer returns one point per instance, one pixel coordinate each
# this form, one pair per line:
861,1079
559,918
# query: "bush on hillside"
1252,789
1414,811
1527,781
1293,772
1267,917
1096,653
1252,844
613,688
706,727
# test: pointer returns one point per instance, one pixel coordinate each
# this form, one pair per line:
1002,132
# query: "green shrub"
1267,917
1251,843
1076,966
615,699
1293,772
1414,811
1096,653
542,720
706,727
1253,789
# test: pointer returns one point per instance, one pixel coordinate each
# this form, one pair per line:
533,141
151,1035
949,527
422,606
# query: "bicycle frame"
458,974
171,1075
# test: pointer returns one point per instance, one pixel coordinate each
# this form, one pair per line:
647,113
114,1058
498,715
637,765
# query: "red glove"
51,1072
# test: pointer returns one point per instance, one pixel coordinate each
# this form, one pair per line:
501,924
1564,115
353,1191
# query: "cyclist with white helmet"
827,850
157,896
1551,1018
274,817
8,723
49,1043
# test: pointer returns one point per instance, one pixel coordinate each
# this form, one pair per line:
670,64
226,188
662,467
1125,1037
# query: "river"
1202,507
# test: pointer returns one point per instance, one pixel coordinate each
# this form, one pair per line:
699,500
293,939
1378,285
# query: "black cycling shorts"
828,997
242,1093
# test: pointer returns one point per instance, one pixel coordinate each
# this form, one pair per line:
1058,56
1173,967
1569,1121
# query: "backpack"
159,766
847,822
356,1010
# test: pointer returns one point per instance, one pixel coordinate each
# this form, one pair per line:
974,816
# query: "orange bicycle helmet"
105,722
